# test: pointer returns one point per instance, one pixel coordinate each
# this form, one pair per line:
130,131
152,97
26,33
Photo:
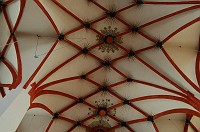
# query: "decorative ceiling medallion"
109,39
99,126
102,110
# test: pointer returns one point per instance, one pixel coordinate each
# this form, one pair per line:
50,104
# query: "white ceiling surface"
34,22
196,121
10,55
12,12
26,41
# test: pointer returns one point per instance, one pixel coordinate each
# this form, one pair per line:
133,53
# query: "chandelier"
99,126
102,111
109,39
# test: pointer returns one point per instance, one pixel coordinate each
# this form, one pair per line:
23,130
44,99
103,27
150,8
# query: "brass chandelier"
109,39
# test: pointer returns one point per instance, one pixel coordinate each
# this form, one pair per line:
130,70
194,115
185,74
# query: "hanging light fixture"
102,111
109,39
99,126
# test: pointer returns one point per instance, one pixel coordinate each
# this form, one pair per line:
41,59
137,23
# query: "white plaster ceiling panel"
11,13
3,35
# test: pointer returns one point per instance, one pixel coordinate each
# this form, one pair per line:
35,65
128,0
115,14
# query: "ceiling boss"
109,39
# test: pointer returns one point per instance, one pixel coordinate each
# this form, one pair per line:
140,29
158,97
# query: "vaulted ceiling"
11,67
104,65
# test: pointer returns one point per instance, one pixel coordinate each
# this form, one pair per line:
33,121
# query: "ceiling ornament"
99,126
87,25
138,2
102,111
109,39
111,13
